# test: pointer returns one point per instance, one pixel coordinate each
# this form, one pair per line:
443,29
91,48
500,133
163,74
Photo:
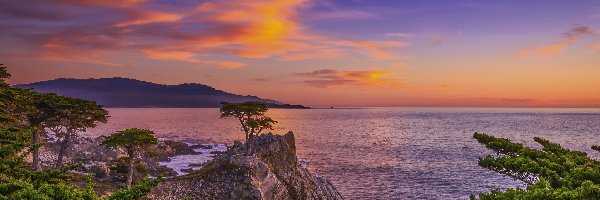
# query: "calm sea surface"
386,153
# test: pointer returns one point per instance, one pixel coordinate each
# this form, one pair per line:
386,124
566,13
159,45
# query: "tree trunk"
247,144
36,165
249,150
63,148
131,168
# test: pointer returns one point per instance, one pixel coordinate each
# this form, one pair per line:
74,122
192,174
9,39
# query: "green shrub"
550,173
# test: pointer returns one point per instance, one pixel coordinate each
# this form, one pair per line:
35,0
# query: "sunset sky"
320,52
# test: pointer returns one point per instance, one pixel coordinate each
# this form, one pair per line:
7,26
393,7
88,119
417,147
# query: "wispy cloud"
188,57
374,49
338,14
401,35
146,17
105,3
90,31
570,37
327,78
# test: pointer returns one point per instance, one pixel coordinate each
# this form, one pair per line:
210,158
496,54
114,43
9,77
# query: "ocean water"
385,153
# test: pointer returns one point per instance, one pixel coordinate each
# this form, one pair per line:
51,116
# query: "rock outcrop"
267,170
104,162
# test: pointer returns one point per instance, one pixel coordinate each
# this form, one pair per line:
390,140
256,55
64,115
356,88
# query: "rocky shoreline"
215,171
269,171
107,165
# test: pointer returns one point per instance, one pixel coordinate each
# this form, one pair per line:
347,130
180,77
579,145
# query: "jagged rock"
269,170
169,148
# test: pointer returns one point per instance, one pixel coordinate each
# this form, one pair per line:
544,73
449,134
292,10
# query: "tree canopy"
132,140
551,173
17,180
250,115
15,104
74,115
4,75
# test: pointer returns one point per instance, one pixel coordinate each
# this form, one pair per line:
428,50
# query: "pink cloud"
92,30
188,57
328,78
570,37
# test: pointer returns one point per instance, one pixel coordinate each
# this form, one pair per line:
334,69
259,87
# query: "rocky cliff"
270,170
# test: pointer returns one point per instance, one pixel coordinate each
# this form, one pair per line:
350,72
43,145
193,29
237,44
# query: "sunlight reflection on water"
386,153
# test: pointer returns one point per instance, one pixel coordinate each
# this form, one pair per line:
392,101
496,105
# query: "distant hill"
131,93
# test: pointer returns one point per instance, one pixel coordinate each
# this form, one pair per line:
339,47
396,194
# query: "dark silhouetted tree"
4,75
250,115
133,141
45,113
76,115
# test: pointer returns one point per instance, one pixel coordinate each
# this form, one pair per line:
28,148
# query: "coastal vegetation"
251,116
550,173
23,116
133,141
75,115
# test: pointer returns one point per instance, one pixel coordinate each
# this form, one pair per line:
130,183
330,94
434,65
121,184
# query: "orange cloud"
146,17
188,57
264,28
267,29
552,49
103,3
66,49
322,53
374,49
327,78
254,29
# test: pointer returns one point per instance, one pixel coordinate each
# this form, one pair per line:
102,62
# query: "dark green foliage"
120,167
15,104
3,76
138,191
218,167
49,191
18,109
551,173
251,116
74,115
133,140
64,115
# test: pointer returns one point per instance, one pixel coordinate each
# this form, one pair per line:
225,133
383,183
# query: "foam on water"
183,162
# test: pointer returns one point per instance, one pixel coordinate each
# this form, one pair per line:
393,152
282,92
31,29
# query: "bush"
550,173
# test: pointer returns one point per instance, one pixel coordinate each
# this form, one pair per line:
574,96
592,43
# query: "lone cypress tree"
250,115
133,141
